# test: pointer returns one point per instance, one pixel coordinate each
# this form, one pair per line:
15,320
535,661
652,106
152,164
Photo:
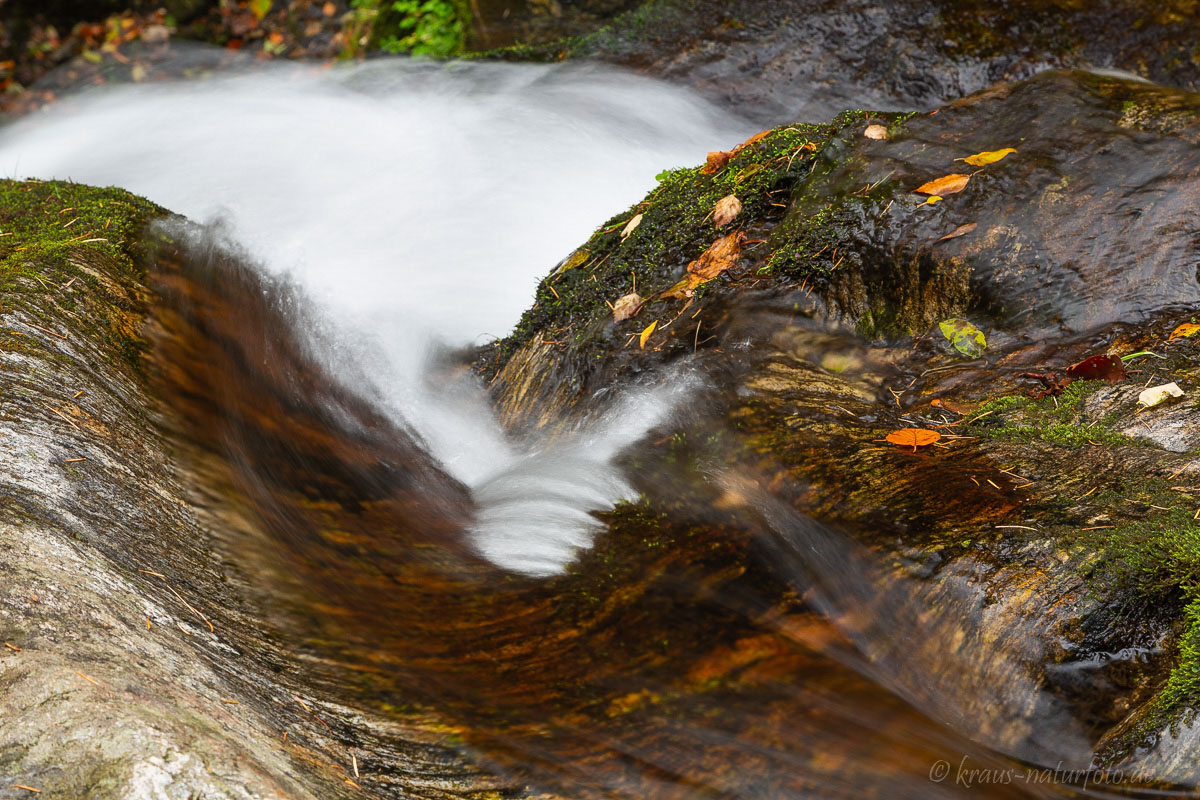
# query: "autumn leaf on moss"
875,132
987,157
1184,331
646,334
715,162
631,226
948,184
627,306
726,210
720,256
756,137
913,437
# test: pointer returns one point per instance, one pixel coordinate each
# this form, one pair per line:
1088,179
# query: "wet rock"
809,59
1042,535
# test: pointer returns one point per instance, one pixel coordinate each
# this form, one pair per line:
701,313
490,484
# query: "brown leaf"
723,254
961,230
715,162
913,437
726,210
949,184
626,307
875,132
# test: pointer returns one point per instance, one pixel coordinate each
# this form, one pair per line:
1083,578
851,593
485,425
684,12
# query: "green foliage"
431,28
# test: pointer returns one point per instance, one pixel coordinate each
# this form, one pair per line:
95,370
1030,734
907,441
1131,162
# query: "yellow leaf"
948,184
726,210
260,8
1185,330
987,157
646,334
937,198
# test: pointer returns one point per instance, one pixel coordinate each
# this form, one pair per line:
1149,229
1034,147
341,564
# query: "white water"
419,204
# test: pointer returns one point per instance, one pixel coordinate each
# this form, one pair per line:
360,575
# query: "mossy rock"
1049,530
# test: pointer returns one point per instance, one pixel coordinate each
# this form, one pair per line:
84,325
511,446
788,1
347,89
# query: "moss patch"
1058,420
68,249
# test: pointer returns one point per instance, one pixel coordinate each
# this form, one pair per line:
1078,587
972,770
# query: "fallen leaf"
631,226
576,259
626,307
1156,394
933,200
681,289
875,132
1184,331
646,334
715,161
750,141
720,256
913,437
260,8
1098,368
726,210
966,338
948,184
961,230
987,157
329,9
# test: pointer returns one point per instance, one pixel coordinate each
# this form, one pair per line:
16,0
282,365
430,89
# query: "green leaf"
966,338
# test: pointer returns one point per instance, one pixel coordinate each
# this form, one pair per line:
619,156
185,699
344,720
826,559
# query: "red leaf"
1098,368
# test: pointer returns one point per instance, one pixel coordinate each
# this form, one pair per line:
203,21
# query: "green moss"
1059,420
68,249
571,305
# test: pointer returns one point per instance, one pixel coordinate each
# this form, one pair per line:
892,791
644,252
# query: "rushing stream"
415,208
418,206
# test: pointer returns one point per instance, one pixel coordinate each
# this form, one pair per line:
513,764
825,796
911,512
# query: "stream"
409,211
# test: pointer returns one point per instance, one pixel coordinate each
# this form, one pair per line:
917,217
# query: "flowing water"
411,210
418,206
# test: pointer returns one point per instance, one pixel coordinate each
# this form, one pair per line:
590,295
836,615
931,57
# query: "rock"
142,659
1032,583
808,59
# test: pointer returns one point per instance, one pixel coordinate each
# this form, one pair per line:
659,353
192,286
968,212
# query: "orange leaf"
722,255
950,184
749,142
715,162
913,437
